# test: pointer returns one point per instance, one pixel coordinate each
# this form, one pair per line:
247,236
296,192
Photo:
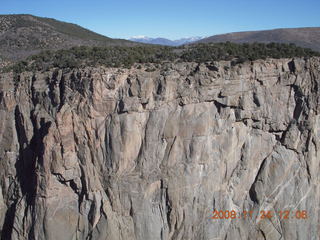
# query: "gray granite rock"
105,153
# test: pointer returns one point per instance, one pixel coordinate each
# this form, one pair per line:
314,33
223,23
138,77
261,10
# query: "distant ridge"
22,35
308,37
164,41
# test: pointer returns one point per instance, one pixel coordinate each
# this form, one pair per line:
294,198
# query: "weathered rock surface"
101,153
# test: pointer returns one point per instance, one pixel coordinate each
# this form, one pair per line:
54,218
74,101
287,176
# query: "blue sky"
172,19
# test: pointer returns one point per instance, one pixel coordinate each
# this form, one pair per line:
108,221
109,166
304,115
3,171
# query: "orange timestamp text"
285,214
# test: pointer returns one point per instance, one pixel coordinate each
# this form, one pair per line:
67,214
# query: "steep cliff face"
100,153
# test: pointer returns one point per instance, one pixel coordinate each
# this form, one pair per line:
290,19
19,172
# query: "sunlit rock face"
101,153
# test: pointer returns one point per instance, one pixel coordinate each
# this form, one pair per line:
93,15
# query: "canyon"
116,153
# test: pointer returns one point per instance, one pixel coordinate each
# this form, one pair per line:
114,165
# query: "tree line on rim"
121,56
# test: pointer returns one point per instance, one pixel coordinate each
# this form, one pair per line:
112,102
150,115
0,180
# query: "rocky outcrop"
101,153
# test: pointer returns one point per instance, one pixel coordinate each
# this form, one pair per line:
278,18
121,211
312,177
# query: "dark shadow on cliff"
29,154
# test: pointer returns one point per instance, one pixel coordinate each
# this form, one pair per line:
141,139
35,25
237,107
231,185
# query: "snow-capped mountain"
164,41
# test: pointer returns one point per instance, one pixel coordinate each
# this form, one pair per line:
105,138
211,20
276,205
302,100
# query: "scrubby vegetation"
74,30
245,51
17,21
127,56
24,35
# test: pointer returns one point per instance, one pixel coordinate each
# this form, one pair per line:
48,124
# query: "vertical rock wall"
100,153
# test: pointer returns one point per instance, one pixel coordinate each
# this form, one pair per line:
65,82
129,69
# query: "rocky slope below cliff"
106,153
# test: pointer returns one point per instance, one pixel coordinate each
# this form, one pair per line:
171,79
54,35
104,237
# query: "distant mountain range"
304,37
22,35
165,41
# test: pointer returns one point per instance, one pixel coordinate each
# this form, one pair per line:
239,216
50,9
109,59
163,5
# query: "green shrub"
127,56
